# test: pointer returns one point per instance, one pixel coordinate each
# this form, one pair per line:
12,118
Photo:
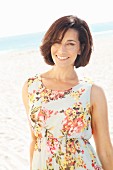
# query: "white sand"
15,68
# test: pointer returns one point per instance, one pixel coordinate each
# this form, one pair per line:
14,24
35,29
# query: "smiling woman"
64,111
79,33
66,49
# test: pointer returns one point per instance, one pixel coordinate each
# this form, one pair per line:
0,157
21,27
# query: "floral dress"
61,121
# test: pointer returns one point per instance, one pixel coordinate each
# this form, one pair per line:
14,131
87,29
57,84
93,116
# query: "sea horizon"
33,40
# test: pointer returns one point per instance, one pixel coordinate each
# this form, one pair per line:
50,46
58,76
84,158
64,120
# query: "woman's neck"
62,74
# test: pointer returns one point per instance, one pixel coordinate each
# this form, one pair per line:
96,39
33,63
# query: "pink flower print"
52,145
82,151
96,166
41,115
74,125
78,125
56,95
44,114
49,160
47,113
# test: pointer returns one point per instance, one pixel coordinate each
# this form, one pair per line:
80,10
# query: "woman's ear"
81,49
79,52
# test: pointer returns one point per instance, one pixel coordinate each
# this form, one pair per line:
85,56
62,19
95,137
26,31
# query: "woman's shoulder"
87,80
33,78
97,93
96,88
30,81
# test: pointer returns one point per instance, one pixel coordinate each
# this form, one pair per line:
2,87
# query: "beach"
15,68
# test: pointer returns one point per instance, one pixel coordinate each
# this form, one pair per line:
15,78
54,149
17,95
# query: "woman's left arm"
100,127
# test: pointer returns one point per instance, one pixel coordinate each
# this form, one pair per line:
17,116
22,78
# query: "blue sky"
29,16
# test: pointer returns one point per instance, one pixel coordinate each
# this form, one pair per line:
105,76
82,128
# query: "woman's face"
65,52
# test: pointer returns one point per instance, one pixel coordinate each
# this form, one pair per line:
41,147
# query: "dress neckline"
56,90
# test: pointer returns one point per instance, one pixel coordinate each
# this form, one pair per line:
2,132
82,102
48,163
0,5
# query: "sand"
15,68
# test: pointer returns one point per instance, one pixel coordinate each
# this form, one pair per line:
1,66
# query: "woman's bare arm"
100,127
33,138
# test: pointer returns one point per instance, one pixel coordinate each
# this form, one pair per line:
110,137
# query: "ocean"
33,40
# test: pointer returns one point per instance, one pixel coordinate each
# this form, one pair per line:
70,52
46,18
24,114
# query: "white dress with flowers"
61,121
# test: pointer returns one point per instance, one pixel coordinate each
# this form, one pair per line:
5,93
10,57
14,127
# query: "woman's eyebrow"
73,40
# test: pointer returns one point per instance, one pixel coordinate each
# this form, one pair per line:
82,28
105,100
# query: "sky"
30,16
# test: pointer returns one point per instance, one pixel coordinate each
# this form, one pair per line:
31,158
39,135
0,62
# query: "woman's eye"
71,44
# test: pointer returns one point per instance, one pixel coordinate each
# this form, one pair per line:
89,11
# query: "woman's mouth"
62,58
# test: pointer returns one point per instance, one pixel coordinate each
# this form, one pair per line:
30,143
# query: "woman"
64,111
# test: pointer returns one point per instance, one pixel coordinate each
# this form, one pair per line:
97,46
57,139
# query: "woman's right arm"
26,104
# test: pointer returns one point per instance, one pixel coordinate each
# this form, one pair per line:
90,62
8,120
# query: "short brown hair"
58,29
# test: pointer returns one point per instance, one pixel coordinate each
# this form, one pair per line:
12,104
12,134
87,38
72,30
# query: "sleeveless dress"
61,121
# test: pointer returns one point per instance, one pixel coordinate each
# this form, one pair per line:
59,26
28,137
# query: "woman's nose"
62,47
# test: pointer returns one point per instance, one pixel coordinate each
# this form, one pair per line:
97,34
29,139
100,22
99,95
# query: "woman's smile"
62,58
